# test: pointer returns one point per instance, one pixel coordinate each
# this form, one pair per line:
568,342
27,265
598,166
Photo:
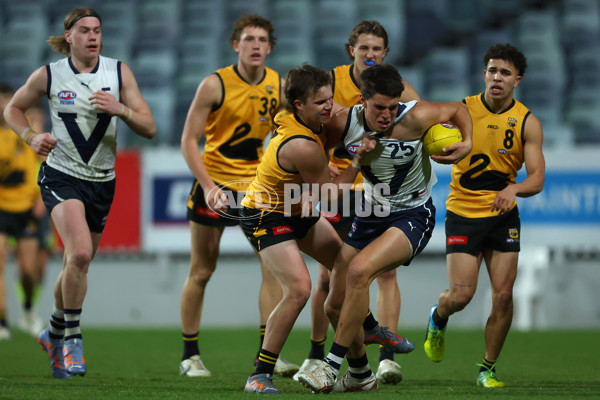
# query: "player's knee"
503,300
461,300
387,278
80,258
201,277
358,276
332,309
299,295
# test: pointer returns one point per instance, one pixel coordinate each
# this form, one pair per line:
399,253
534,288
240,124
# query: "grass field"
143,364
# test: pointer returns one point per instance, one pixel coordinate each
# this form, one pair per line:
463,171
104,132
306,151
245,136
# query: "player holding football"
367,46
482,220
397,218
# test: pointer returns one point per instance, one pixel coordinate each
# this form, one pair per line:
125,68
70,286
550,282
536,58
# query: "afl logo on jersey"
67,96
352,148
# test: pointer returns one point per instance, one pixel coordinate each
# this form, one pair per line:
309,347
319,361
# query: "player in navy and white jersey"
396,220
85,91
367,46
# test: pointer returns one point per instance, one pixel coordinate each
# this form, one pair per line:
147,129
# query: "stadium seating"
330,34
580,23
392,16
177,43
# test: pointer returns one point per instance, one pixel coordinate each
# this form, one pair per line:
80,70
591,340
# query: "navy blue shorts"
416,223
97,197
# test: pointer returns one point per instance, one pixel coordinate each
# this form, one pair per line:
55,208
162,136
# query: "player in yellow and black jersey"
482,219
233,110
19,195
277,223
367,46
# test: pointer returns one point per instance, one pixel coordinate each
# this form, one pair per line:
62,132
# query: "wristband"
129,113
29,139
355,163
27,134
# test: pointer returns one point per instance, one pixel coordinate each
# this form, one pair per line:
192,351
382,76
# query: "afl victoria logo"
67,95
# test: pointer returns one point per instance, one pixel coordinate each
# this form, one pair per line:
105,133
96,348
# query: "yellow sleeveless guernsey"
267,190
18,173
493,163
236,130
346,93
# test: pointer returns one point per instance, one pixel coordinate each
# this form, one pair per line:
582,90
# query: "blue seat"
584,64
414,76
537,31
57,9
583,113
155,68
192,69
161,101
580,23
392,16
158,24
330,34
447,66
290,53
448,92
234,9
465,16
426,27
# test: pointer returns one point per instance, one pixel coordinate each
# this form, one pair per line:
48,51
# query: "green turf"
143,364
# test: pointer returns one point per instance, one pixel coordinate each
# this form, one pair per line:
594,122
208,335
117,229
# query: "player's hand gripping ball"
440,136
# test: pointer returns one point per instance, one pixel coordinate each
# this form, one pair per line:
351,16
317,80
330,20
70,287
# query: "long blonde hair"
59,43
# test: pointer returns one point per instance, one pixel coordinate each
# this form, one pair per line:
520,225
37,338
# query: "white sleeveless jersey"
87,139
398,174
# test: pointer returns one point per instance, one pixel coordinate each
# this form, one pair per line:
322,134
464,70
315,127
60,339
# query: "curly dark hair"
508,53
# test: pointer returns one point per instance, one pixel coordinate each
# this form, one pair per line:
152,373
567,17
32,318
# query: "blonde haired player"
85,92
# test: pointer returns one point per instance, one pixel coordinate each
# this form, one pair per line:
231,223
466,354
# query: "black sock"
370,322
266,362
359,367
3,321
317,349
190,345
262,339
439,321
385,354
488,365
336,356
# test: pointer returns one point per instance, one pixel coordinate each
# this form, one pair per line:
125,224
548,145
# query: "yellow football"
439,136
